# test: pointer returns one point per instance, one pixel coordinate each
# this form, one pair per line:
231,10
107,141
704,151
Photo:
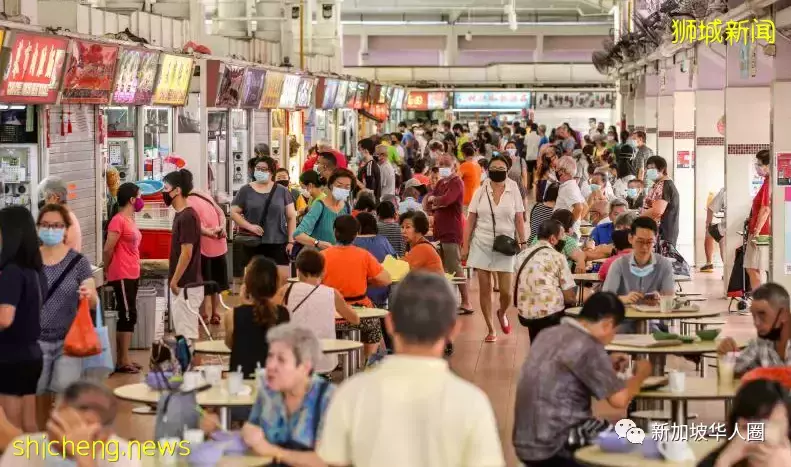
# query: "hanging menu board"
89,74
272,90
305,92
398,100
362,89
253,87
174,80
340,96
330,90
33,70
351,95
230,85
382,94
288,98
135,77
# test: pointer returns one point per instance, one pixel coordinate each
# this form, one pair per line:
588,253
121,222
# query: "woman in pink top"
122,269
213,247
54,191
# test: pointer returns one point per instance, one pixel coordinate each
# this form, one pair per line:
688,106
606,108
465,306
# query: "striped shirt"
392,232
540,213
319,222
760,353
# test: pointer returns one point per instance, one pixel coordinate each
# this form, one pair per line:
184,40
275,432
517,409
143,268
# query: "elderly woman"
287,416
54,191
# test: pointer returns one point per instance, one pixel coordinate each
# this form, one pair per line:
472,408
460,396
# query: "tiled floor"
495,367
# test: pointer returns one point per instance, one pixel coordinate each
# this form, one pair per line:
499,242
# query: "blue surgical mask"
652,174
260,176
444,172
340,194
632,192
51,237
595,187
641,272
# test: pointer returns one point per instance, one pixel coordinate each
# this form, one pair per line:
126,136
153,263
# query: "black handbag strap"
59,280
288,293
267,203
524,263
491,208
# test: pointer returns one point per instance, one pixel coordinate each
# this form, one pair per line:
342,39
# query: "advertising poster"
305,92
783,164
273,87
288,98
351,95
685,159
362,90
230,86
34,69
135,77
89,73
340,96
330,90
253,87
174,80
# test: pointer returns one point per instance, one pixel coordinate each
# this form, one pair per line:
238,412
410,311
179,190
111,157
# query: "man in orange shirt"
470,173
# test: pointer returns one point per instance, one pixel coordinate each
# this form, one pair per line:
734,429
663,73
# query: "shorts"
25,378
184,311
536,325
274,251
714,232
125,291
451,258
531,167
58,371
756,257
215,270
370,330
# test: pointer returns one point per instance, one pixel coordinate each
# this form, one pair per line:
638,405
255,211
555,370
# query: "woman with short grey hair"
53,190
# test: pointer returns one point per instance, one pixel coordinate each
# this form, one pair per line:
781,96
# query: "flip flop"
503,319
215,319
465,311
490,338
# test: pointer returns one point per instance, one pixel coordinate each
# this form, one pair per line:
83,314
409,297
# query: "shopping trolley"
739,287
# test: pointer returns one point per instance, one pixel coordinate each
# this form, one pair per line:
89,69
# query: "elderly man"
598,212
602,234
84,416
54,191
569,194
416,392
387,173
772,319
340,158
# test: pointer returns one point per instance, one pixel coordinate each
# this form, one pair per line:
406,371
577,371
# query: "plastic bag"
82,339
103,361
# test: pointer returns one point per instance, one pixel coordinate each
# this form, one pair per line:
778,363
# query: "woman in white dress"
497,205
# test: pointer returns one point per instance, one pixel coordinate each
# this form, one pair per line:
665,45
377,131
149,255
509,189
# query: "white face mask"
444,172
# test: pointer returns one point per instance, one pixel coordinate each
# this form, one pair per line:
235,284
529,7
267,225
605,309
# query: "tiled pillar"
649,110
639,104
781,143
747,130
683,161
664,144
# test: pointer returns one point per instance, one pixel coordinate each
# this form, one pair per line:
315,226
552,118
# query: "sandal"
215,319
503,319
490,338
465,311
127,369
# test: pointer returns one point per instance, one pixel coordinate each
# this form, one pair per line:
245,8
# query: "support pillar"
649,110
781,143
683,159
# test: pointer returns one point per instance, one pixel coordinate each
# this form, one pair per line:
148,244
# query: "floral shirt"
269,412
540,285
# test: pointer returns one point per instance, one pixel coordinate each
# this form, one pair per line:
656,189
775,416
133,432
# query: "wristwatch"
316,244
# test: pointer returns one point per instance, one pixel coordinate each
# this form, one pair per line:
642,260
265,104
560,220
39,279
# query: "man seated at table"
566,367
620,241
602,233
642,274
772,319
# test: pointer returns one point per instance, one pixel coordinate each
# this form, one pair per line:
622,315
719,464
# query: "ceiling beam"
454,16
548,29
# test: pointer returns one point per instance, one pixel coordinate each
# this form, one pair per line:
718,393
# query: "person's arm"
308,224
74,233
380,279
344,309
519,220
185,256
746,360
11,286
238,218
291,221
228,325
297,458
578,256
622,398
113,234
469,227
88,290
566,281
377,174
578,211
524,172
599,252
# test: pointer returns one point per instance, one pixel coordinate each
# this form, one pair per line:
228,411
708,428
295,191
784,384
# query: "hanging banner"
783,164
34,69
230,85
575,100
174,80
253,87
288,98
305,92
340,95
359,100
272,90
685,159
351,95
135,77
508,100
330,91
89,74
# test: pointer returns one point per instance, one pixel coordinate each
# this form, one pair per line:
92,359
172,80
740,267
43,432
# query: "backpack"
625,156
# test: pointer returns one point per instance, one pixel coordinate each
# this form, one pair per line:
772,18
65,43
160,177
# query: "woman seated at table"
379,246
422,255
246,326
758,403
287,417
570,246
350,270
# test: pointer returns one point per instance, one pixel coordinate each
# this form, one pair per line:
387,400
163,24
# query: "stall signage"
34,69
362,90
230,85
135,77
783,165
382,94
307,86
575,100
330,90
340,95
423,100
509,100
174,80
288,98
272,90
253,87
394,99
89,73
351,95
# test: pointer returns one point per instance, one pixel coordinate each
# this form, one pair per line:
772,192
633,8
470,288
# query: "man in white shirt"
532,143
569,195
411,410
386,170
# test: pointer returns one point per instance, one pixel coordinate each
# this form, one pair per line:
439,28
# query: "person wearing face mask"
622,178
283,178
311,189
326,165
517,171
620,242
267,218
317,227
756,258
642,153
122,270
601,190
569,195
369,174
69,279
470,173
54,191
386,170
772,319
635,194
662,200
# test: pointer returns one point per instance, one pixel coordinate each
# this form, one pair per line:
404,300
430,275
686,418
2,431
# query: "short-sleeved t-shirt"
24,289
210,218
424,257
668,225
252,204
470,173
186,231
538,215
59,311
762,199
348,268
620,279
125,263
565,368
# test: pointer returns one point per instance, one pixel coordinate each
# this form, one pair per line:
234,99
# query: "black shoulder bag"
288,294
248,239
59,280
503,244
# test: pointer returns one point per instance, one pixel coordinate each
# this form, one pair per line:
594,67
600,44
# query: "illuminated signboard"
305,92
174,80
362,90
288,98
495,100
135,77
423,100
575,100
253,87
89,74
272,90
330,90
230,85
340,96
351,95
34,69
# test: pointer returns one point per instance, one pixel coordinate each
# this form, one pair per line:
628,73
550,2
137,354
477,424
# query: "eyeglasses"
644,242
46,225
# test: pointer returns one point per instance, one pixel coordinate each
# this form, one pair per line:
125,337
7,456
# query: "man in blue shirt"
602,234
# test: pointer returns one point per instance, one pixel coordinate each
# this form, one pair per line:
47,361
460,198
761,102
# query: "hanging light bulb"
468,36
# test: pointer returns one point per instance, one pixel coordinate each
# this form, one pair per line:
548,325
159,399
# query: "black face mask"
774,333
167,198
497,176
282,183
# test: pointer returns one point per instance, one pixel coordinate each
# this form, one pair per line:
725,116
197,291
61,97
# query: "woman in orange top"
350,270
422,255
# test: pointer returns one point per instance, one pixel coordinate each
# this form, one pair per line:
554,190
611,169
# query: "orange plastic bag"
82,339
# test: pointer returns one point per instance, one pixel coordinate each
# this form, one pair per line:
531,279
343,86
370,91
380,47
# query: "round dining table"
642,317
595,457
695,389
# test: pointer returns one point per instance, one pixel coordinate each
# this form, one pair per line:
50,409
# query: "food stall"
325,126
348,132
223,85
428,105
479,106
273,89
241,136
292,122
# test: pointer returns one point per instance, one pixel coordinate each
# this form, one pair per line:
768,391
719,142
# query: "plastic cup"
235,382
666,303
